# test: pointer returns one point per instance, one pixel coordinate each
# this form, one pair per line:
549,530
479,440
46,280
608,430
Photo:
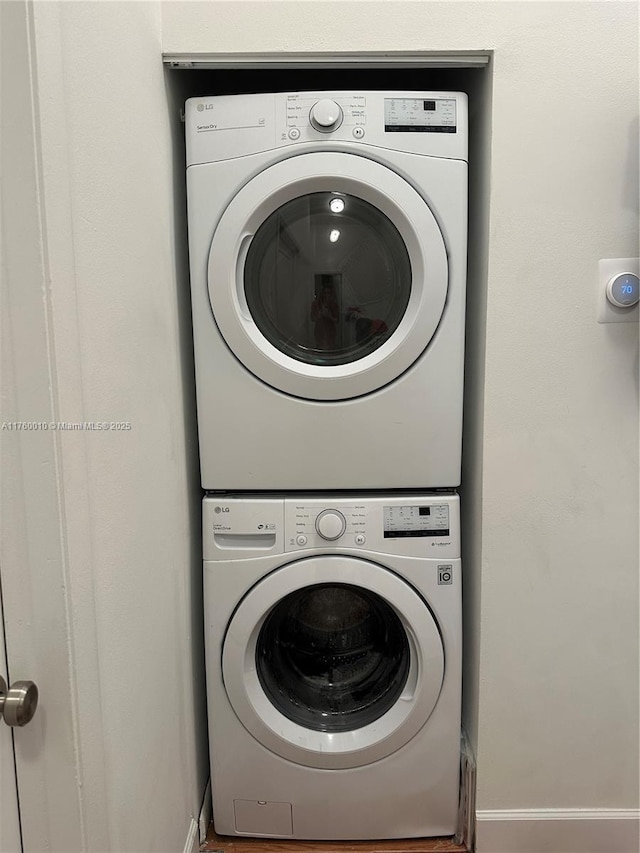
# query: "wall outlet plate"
607,269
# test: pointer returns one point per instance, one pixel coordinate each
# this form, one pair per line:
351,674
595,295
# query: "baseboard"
192,844
204,818
465,831
558,831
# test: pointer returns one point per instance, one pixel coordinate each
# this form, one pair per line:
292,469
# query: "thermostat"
618,290
623,290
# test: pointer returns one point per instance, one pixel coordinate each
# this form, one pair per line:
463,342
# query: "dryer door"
333,662
327,276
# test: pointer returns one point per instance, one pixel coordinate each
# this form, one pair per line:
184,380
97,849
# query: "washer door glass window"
336,673
332,657
327,278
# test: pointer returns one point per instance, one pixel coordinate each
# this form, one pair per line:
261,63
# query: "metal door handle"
18,703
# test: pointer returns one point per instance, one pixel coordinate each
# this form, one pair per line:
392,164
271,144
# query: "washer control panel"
241,527
416,520
331,524
315,524
415,525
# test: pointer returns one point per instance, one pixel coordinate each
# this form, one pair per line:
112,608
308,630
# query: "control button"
294,133
360,539
623,290
330,524
301,540
358,132
325,115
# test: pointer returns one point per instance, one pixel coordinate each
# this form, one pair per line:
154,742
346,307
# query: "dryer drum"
327,288
332,657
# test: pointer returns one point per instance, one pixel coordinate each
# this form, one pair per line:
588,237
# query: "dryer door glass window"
327,278
332,657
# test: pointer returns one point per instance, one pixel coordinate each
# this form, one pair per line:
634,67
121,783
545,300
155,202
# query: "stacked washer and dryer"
327,236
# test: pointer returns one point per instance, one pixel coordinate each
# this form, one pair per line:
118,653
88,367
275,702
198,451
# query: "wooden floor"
234,844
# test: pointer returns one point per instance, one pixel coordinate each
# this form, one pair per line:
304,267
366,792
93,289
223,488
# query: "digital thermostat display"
623,290
415,115
400,521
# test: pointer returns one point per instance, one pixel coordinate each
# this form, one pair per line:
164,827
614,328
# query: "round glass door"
335,673
332,657
327,276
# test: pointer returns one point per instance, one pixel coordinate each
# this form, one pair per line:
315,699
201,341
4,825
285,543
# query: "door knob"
18,703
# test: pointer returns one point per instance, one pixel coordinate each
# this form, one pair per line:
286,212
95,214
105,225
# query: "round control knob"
330,524
325,115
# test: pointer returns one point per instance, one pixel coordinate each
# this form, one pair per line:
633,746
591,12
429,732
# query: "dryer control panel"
224,127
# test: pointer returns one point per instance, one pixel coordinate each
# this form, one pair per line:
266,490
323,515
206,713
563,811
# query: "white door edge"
10,840
39,625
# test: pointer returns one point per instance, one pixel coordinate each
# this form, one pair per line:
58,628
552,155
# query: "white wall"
558,661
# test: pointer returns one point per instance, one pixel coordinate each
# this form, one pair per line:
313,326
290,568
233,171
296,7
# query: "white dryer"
333,658
327,237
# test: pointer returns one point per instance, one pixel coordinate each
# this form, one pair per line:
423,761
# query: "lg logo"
219,509
202,107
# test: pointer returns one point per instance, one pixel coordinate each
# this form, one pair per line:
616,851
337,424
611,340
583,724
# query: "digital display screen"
625,289
404,521
418,115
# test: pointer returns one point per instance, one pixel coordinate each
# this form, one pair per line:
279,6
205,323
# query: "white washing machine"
333,649
327,236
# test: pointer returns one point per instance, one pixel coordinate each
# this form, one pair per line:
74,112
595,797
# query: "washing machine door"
333,662
327,275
